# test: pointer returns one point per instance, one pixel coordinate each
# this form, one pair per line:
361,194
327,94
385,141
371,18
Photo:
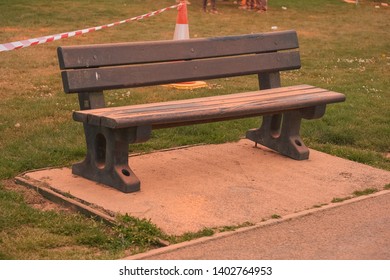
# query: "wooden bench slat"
97,79
210,109
106,112
242,109
130,53
82,116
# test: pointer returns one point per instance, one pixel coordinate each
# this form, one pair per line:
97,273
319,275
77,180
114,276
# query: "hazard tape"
41,40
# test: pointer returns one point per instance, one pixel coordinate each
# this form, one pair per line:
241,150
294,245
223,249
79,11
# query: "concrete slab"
191,188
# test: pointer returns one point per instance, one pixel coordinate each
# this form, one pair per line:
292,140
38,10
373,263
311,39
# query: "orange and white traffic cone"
182,33
181,30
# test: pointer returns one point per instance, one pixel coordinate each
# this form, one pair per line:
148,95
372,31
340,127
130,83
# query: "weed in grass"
319,205
276,216
365,192
193,235
132,231
233,228
340,199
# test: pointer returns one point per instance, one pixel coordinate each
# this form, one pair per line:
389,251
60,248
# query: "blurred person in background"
213,6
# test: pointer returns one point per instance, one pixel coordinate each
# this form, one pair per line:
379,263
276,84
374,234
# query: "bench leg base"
106,161
121,178
281,132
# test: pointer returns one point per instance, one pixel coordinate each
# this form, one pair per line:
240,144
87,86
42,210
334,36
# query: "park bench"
90,69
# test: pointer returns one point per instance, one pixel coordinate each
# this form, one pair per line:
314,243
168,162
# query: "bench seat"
209,109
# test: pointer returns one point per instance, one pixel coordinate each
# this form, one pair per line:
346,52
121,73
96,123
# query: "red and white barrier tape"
36,41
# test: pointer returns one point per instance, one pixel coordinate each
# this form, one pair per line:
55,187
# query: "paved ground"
213,186
356,230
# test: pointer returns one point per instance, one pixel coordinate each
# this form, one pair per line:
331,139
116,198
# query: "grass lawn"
343,47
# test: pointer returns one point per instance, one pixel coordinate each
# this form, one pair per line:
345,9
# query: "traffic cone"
181,30
182,33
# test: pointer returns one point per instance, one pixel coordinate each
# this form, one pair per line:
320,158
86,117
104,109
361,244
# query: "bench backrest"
94,68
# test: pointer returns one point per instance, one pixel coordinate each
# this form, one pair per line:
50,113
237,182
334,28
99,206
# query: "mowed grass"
343,47
28,232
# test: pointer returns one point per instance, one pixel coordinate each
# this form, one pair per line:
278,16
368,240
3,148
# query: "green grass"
319,205
343,48
233,228
138,233
28,233
357,193
365,192
340,199
193,235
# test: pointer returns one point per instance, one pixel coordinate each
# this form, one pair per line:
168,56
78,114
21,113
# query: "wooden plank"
97,79
228,98
210,109
81,116
224,101
145,52
244,110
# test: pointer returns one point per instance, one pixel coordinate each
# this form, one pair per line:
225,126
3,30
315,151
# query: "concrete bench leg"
106,161
281,132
